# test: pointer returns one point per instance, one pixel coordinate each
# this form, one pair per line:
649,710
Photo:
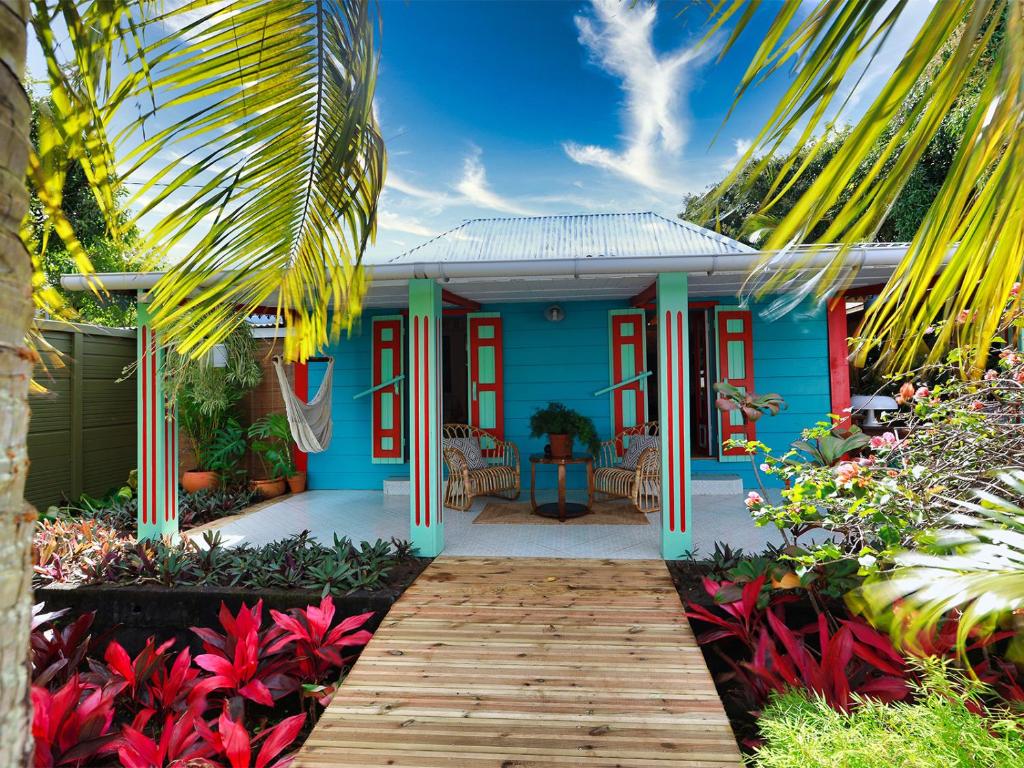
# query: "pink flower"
764,467
977,405
922,393
847,472
884,440
991,375
1015,290
754,499
964,316
906,393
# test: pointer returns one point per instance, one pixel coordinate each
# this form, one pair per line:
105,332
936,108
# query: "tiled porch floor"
369,515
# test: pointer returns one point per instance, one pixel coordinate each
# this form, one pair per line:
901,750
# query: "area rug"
617,512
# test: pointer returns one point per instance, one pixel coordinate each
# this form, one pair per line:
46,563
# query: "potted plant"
563,426
271,441
205,393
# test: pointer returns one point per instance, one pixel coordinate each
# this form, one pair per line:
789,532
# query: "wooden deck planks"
529,662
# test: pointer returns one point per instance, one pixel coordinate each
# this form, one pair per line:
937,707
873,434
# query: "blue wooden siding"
791,358
347,461
567,362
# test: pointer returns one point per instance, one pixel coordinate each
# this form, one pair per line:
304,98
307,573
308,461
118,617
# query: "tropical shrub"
939,726
953,440
165,709
272,442
83,552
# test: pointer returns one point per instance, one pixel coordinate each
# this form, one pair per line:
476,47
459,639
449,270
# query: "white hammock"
310,422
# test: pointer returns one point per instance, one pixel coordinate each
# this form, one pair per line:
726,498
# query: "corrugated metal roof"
577,236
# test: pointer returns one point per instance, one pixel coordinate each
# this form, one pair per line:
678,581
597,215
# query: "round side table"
562,510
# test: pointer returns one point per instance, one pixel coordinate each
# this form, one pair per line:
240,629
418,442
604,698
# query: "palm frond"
274,154
976,566
967,254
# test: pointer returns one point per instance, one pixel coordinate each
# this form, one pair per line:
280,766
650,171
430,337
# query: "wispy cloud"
399,223
620,41
740,148
474,188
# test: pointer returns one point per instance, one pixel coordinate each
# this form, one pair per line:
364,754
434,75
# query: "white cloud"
476,191
740,148
472,187
620,41
399,223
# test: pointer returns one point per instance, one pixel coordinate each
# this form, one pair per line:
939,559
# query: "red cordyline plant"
58,653
181,743
232,741
246,660
72,725
151,680
319,648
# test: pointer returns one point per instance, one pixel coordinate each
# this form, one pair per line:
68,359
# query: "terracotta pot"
197,480
297,482
268,489
561,446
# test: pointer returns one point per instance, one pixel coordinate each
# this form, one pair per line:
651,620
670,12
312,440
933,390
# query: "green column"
426,517
157,439
674,414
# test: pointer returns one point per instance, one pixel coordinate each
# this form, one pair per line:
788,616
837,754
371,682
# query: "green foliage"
84,552
120,511
826,444
207,394
752,405
940,728
272,442
938,154
972,565
557,419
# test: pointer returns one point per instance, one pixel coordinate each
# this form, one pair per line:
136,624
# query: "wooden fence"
82,432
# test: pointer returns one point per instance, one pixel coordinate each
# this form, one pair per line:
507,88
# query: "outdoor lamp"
870,405
554,314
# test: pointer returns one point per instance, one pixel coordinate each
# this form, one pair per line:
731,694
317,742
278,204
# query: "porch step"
714,484
396,486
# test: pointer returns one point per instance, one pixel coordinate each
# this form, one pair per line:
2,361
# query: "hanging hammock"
310,422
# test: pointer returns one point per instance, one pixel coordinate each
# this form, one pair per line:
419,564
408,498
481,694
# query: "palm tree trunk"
16,517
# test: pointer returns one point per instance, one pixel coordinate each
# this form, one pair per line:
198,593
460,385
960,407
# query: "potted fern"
272,443
563,426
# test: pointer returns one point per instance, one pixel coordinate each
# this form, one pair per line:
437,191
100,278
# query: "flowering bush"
950,441
163,709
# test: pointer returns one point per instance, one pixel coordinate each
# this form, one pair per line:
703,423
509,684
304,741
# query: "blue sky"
506,107
518,108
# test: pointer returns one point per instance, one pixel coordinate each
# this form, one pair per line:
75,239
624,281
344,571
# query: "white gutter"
861,256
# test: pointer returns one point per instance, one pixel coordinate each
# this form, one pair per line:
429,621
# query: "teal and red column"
157,450
674,413
424,378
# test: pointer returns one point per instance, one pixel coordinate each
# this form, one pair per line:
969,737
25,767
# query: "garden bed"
140,611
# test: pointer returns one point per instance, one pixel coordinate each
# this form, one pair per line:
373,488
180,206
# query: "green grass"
936,731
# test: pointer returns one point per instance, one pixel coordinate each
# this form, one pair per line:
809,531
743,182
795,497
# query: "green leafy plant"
942,725
557,419
750,404
272,443
827,445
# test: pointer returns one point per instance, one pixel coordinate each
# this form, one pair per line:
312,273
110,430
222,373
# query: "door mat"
615,512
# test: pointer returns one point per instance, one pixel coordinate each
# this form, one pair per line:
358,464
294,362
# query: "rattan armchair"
499,478
642,485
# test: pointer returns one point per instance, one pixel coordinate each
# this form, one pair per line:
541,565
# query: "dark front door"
700,384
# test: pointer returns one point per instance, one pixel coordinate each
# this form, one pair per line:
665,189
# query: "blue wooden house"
628,318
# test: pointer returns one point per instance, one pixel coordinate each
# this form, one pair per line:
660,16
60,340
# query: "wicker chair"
499,478
642,485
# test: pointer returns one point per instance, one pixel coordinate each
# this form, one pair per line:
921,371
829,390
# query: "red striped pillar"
839,360
157,439
424,377
674,416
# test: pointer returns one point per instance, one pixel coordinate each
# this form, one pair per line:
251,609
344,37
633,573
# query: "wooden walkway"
523,662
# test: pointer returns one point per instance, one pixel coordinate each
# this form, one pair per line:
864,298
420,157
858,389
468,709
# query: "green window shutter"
734,334
387,402
627,345
486,376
